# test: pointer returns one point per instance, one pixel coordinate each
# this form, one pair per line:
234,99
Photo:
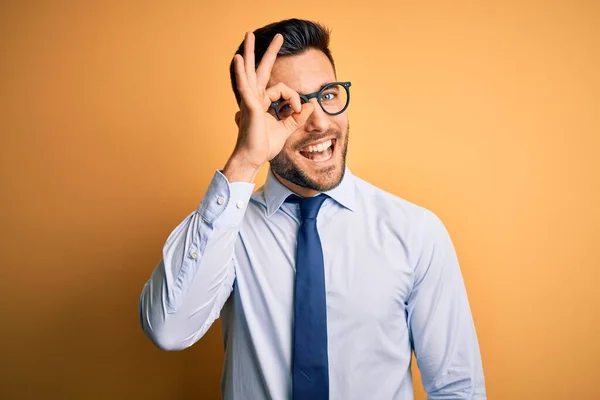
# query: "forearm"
195,276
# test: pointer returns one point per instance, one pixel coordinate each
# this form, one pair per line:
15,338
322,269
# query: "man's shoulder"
413,218
384,199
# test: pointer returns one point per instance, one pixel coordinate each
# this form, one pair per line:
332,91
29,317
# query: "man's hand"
261,136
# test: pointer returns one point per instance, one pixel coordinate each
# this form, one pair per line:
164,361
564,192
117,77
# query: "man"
324,283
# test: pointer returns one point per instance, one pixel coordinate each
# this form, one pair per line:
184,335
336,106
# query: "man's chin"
328,177
320,179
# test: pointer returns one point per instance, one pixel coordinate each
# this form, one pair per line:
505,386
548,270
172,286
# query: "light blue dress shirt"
393,285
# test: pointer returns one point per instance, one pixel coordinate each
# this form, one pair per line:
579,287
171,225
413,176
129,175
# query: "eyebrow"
304,94
319,89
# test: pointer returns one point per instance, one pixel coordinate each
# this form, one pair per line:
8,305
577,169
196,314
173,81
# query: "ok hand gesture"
261,136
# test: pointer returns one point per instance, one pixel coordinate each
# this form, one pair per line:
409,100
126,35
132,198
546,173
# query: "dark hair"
298,36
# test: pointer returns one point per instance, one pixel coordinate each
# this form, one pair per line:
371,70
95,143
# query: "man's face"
300,160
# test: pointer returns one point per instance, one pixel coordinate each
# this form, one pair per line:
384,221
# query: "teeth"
318,148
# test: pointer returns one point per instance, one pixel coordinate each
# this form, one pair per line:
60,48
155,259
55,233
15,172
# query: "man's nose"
318,120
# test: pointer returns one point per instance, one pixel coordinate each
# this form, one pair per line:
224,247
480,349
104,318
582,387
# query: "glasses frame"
305,98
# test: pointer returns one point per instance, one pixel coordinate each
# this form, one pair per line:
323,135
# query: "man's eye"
328,96
285,108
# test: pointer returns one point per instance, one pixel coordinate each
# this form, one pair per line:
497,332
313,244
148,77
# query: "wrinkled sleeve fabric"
440,321
195,276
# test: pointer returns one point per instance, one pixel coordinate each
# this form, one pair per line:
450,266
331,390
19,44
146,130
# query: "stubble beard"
283,166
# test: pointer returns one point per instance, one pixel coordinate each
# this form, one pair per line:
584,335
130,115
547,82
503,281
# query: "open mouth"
319,152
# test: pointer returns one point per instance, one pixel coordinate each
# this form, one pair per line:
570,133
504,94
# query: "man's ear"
237,118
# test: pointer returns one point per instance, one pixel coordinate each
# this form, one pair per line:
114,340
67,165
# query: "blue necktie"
310,369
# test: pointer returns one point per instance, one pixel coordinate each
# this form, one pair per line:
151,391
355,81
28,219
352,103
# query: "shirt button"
239,204
194,255
220,200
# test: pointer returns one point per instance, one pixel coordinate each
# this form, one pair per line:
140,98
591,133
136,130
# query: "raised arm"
195,276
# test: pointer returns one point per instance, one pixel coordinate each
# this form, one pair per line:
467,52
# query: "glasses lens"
284,108
334,98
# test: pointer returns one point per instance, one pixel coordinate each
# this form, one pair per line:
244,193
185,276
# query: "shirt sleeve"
440,322
195,276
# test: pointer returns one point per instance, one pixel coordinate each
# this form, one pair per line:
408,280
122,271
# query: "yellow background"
114,116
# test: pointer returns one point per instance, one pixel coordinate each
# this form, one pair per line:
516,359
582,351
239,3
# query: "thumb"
296,120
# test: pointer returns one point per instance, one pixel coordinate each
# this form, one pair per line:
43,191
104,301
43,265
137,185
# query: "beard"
283,165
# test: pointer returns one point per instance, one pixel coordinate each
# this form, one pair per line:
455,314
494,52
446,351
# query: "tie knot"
309,206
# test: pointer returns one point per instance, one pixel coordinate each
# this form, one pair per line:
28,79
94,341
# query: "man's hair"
298,36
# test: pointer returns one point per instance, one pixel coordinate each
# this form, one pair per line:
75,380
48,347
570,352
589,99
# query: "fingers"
281,91
296,120
247,94
240,73
265,67
249,59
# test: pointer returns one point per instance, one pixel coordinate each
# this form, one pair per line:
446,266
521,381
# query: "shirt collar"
275,192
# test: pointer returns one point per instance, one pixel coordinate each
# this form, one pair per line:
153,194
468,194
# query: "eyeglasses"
333,98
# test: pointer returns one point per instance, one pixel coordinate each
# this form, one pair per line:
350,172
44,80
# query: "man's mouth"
319,152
